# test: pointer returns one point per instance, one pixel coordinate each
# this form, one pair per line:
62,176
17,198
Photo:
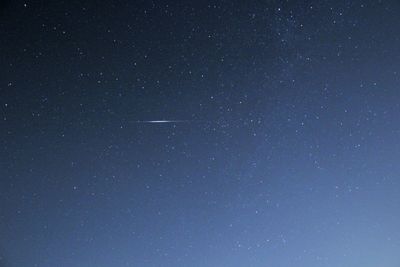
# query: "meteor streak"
162,121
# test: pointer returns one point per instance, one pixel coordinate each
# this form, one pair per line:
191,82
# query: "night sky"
200,133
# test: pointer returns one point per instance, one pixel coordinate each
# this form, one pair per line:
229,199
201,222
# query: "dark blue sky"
288,152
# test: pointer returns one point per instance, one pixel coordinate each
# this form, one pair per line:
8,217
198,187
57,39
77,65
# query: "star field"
199,133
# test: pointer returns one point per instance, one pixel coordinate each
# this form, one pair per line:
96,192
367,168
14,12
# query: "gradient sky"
282,150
